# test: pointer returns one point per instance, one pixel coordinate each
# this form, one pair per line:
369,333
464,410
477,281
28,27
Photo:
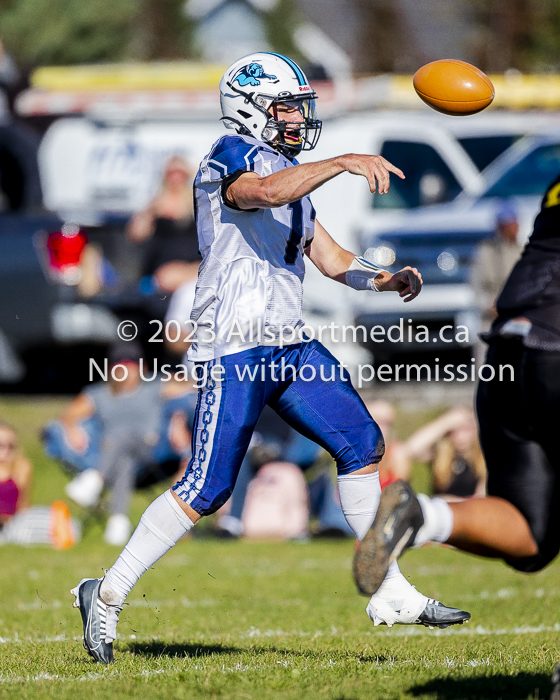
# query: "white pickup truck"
441,240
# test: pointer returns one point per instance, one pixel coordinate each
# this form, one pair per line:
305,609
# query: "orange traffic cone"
61,528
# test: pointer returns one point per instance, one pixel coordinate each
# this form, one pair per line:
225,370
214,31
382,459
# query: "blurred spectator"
9,77
450,444
122,433
96,272
179,329
396,462
494,260
21,523
168,229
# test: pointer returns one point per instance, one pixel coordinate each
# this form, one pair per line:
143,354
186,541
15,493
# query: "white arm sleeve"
361,273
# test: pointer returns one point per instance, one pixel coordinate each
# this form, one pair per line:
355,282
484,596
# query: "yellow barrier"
181,75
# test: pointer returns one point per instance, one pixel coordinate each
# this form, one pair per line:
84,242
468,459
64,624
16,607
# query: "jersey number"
296,233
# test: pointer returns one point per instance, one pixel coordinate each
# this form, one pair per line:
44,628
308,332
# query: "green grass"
233,620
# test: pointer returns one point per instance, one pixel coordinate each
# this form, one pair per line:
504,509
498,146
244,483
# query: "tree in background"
496,35
544,51
160,30
64,32
279,23
386,43
517,34
59,32
504,34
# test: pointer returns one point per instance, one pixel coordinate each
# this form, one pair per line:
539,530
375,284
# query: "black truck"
50,327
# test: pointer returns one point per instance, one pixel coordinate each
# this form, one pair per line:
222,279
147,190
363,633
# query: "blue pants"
304,384
74,461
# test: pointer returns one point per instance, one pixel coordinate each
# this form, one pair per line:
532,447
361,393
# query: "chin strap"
231,123
361,274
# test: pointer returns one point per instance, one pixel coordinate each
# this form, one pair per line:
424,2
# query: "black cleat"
436,614
398,519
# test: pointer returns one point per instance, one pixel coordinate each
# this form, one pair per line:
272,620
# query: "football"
453,87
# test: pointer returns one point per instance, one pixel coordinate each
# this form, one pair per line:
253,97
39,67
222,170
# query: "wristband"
361,273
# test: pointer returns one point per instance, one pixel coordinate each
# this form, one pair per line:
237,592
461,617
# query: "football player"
255,223
518,411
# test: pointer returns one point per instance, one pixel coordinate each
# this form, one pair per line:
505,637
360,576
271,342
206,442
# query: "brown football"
453,87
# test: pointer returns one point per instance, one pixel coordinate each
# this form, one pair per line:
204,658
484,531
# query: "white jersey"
249,289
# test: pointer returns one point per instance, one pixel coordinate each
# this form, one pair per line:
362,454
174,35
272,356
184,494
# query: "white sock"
359,499
438,520
160,528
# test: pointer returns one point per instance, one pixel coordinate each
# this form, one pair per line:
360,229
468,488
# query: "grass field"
265,620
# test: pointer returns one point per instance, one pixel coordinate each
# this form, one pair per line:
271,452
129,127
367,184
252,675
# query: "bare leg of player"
491,527
488,526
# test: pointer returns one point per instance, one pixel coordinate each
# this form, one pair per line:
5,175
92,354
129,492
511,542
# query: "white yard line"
88,677
254,633
471,631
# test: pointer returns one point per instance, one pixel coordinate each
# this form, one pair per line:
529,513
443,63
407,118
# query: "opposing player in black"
519,520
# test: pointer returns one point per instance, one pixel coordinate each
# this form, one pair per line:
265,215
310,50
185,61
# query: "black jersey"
532,290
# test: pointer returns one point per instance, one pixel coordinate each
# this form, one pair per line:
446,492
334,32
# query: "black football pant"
520,436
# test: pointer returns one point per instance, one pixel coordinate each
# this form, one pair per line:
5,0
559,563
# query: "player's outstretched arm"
250,191
341,265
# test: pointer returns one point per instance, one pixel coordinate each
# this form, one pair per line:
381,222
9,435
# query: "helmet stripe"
294,66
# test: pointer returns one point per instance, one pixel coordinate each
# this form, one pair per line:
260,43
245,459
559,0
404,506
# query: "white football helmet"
254,84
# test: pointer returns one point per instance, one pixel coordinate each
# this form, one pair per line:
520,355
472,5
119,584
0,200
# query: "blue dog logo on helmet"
249,75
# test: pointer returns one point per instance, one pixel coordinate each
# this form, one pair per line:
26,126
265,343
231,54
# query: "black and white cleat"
436,614
97,616
407,606
398,519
